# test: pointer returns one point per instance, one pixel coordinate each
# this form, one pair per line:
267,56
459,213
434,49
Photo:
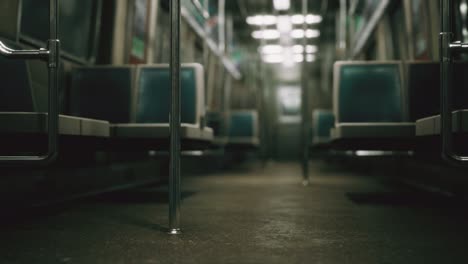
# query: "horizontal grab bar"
23,54
458,47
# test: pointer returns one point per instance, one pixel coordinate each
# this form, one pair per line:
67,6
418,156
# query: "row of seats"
131,99
238,128
119,105
387,105
323,122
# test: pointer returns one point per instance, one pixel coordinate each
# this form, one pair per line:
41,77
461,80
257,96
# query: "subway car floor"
250,215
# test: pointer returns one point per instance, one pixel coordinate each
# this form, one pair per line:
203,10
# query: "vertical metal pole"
445,75
305,104
53,65
261,110
447,46
227,93
206,59
174,174
265,98
266,111
222,26
342,30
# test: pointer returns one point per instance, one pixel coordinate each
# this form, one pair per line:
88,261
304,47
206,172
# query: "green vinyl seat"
153,85
136,99
217,121
103,92
152,100
243,128
322,122
19,105
370,101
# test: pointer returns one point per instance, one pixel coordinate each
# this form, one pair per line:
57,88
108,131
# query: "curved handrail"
52,56
447,49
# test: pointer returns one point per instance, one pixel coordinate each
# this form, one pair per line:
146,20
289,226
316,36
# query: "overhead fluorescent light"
312,33
297,33
271,49
298,58
298,49
463,8
311,49
261,20
288,58
275,49
310,57
309,19
273,58
287,55
313,19
309,33
269,20
266,34
297,19
308,49
284,24
282,5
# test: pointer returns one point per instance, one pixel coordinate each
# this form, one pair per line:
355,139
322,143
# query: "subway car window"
233,131
420,30
463,13
398,28
77,25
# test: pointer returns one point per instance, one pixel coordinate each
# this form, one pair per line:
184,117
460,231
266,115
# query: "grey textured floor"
254,216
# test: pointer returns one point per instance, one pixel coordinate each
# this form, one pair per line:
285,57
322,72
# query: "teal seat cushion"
324,121
242,124
370,93
154,95
102,93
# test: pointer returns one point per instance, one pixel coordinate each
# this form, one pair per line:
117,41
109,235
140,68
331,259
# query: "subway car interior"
233,131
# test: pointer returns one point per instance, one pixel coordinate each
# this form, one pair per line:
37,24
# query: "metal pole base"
175,231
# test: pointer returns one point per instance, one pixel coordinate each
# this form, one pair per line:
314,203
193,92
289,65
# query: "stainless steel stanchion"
174,173
305,106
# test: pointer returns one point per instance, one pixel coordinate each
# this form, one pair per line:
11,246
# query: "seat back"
10,13
103,92
460,85
323,121
216,121
423,85
15,87
153,98
368,92
243,124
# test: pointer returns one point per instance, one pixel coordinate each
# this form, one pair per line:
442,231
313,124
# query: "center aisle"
251,216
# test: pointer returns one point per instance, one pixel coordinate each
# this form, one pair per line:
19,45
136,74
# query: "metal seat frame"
51,56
